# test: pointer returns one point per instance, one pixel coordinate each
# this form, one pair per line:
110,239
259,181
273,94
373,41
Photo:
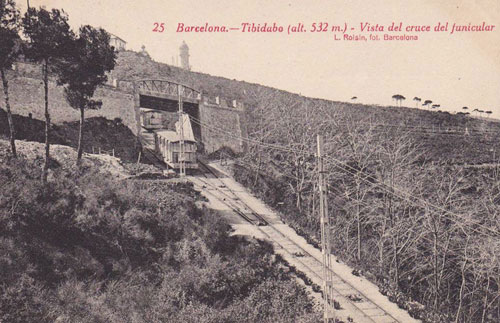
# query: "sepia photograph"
272,161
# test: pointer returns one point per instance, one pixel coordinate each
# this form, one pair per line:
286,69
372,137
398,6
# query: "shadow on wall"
98,133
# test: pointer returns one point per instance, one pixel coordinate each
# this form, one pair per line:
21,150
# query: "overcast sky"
456,70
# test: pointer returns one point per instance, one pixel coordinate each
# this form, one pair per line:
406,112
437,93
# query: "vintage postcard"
250,161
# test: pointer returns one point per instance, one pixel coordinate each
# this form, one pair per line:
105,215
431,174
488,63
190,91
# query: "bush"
88,248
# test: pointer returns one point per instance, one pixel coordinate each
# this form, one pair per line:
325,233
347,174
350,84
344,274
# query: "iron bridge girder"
168,89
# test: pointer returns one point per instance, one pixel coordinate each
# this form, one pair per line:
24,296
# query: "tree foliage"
398,98
86,64
49,40
48,33
84,69
9,50
9,33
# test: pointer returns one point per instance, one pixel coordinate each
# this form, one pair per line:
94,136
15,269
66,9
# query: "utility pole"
325,235
182,157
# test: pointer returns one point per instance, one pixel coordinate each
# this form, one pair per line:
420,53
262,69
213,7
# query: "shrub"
89,248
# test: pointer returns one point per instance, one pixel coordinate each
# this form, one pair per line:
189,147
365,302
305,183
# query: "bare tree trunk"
485,303
498,307
80,136
300,186
298,190
382,234
298,202
462,285
435,269
381,251
45,73
9,114
359,234
358,220
313,213
396,260
256,178
392,222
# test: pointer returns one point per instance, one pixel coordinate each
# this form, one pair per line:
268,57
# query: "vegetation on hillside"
87,248
405,213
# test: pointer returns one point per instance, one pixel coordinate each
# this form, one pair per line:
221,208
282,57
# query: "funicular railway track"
154,159
354,301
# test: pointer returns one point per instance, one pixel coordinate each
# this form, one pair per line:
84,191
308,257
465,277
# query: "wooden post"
139,158
182,156
325,235
99,150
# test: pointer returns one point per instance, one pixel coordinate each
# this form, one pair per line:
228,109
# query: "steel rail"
344,293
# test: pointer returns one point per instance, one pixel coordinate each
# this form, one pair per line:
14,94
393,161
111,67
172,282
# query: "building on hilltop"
118,43
184,54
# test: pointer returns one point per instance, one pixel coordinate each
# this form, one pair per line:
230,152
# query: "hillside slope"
91,247
445,137
132,66
99,133
442,135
